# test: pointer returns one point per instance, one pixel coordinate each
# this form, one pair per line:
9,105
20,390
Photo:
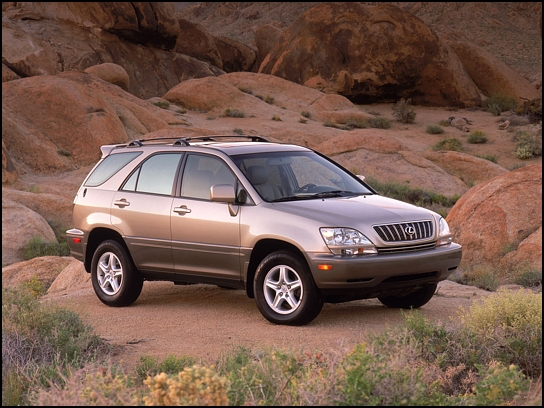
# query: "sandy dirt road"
205,321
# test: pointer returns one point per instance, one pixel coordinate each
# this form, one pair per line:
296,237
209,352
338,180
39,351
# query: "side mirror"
361,177
223,193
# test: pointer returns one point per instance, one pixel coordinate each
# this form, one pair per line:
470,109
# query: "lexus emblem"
410,230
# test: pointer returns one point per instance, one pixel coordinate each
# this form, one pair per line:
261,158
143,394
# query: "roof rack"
185,140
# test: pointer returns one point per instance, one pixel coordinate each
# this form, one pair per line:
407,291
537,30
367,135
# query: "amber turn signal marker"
324,267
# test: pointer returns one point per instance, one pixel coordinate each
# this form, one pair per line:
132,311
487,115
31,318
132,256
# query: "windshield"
284,176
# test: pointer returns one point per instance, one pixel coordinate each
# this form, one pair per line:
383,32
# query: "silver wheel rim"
283,289
109,273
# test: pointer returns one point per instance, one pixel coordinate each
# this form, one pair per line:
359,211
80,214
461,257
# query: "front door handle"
122,203
182,210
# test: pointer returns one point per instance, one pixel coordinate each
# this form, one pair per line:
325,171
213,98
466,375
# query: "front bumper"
367,276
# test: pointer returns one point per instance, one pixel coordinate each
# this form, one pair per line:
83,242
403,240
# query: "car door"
205,236
141,210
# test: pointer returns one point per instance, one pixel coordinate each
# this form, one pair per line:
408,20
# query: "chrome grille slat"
398,233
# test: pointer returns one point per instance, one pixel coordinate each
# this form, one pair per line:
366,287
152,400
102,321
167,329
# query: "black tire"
285,291
413,300
115,279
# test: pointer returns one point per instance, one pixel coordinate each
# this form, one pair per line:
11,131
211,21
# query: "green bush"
162,104
434,129
37,247
528,145
379,123
499,103
305,114
453,144
150,366
477,137
357,124
233,113
403,111
489,157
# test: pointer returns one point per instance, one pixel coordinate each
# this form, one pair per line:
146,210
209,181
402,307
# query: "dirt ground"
205,321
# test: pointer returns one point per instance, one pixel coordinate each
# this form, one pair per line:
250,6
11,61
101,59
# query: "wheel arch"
97,236
263,248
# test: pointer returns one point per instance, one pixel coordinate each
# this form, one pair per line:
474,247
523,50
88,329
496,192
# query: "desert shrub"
528,145
477,137
379,123
303,120
34,189
329,123
150,366
448,144
403,111
499,103
512,321
162,104
444,123
276,118
481,276
40,343
269,99
357,124
63,152
238,131
37,246
532,109
196,385
233,113
528,277
434,129
305,114
489,157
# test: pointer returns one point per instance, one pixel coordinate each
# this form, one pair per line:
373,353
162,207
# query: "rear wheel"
115,278
413,300
285,291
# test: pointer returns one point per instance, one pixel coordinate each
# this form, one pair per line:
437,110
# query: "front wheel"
413,300
115,278
285,291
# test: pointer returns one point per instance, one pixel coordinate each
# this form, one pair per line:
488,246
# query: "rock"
236,56
492,75
44,268
498,215
397,56
196,42
19,225
266,38
112,73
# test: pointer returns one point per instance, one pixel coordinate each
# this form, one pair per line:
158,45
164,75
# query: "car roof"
229,144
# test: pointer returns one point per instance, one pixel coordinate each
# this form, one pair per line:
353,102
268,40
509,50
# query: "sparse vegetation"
434,129
305,114
357,124
63,152
37,246
496,104
528,145
477,137
162,104
453,144
403,111
489,157
277,118
34,189
379,123
233,113
238,131
303,120
491,355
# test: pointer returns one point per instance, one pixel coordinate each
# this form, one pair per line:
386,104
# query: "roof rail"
185,140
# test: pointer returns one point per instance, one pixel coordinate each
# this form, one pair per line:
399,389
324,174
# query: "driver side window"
201,173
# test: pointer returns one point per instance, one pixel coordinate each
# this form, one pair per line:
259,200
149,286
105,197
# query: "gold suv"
283,222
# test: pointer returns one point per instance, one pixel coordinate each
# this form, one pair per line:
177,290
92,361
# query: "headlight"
347,241
444,234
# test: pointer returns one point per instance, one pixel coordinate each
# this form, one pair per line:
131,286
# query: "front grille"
400,232
411,248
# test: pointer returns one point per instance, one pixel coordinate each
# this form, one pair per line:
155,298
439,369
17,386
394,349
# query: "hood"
356,212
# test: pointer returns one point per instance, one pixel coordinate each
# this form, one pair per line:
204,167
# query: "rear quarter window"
109,166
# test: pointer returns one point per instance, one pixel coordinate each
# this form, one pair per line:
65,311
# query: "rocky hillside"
79,75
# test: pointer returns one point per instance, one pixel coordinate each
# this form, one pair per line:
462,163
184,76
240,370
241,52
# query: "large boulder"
196,42
497,218
48,44
112,73
236,56
45,269
370,54
375,153
493,76
58,123
19,226
266,37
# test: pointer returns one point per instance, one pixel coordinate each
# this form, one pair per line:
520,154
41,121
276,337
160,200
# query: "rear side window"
109,166
156,175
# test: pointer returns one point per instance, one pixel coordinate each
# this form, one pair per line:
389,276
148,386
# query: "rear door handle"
182,210
121,203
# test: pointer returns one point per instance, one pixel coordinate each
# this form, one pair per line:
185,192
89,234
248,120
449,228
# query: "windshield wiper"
323,194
